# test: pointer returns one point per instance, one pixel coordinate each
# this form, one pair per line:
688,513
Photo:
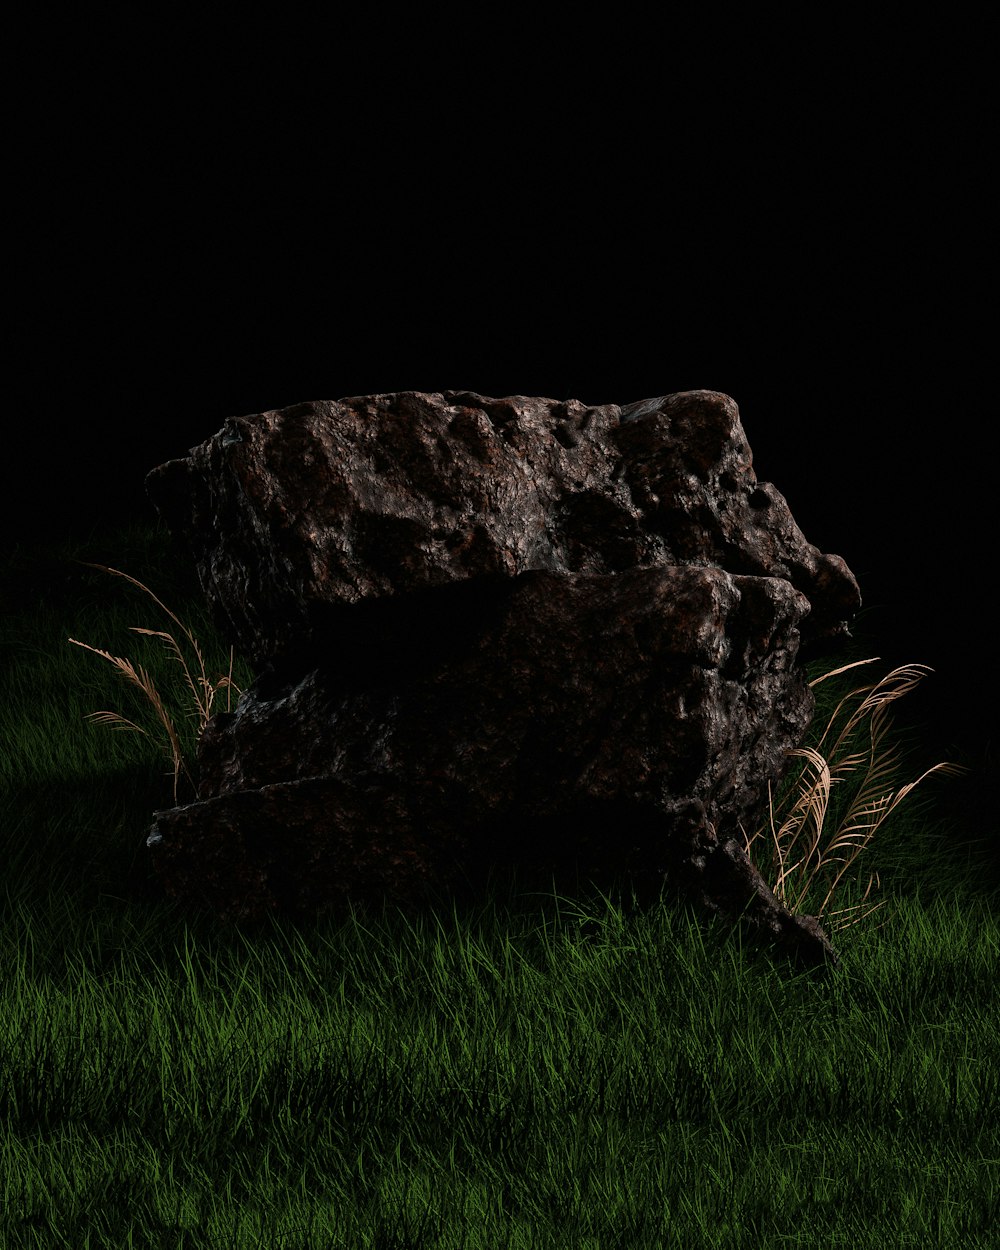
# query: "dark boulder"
490,632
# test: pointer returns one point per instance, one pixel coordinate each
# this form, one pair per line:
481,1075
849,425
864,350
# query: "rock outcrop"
493,631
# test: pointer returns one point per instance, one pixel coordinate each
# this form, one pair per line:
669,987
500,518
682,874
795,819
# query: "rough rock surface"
493,631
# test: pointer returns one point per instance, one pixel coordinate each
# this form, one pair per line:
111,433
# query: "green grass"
534,1068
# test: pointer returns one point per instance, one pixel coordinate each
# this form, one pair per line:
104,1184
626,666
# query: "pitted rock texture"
493,631
331,503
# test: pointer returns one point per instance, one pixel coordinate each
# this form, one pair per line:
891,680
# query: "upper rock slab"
290,513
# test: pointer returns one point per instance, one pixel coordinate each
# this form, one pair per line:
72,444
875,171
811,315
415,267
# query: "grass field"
532,1069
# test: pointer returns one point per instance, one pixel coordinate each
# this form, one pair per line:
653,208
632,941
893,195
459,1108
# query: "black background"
208,234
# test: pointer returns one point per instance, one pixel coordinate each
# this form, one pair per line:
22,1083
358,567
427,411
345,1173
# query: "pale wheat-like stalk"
203,699
806,816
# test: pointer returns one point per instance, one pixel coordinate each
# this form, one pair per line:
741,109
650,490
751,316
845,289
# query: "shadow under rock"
513,896
84,836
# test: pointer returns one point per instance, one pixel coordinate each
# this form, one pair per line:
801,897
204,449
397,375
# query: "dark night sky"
185,265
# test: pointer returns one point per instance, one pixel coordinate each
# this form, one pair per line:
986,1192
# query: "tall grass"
526,1068
203,698
807,803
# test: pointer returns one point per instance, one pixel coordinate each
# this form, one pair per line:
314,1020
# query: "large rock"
493,631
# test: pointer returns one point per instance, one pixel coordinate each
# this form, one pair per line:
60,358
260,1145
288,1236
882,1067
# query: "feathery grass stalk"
807,814
203,699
